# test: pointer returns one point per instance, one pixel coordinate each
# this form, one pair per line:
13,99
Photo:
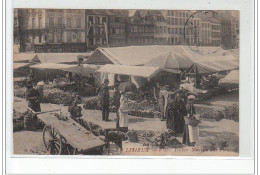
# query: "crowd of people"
173,106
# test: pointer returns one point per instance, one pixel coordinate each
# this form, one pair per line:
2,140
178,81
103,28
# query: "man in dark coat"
33,98
117,96
91,80
104,100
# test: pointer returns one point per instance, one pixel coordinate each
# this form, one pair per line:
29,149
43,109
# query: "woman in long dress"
170,114
191,133
123,112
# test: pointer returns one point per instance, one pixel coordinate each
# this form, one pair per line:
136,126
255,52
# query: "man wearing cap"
104,100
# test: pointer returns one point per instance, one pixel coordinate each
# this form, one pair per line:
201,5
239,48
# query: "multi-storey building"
181,28
234,32
140,29
226,34
160,27
215,32
206,32
175,25
49,30
97,28
117,28
16,27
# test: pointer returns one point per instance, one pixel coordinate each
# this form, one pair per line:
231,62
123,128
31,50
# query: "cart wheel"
52,140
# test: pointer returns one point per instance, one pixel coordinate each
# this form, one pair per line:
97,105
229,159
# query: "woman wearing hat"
191,133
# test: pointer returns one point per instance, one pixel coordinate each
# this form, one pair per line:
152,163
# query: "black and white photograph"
118,82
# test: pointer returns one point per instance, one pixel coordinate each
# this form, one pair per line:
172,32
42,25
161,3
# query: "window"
96,20
104,20
59,22
59,37
90,19
78,22
97,31
51,22
151,29
104,42
117,19
97,41
40,22
101,31
69,37
135,29
79,37
40,38
113,31
146,29
91,42
51,37
33,23
69,22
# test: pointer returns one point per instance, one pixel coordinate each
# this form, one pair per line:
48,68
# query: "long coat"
104,96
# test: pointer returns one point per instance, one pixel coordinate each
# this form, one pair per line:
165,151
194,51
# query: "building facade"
54,30
226,34
47,30
97,28
117,28
175,26
140,29
160,27
216,37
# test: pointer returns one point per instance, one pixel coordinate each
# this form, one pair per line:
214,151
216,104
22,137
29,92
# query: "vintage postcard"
126,82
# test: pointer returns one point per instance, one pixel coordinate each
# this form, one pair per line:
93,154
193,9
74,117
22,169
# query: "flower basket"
191,121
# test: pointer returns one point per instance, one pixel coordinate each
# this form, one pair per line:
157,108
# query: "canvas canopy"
216,64
231,78
140,71
81,70
20,65
24,57
52,66
170,61
139,55
71,58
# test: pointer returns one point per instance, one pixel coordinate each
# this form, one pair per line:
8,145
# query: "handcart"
62,135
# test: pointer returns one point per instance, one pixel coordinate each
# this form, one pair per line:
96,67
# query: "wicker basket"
191,121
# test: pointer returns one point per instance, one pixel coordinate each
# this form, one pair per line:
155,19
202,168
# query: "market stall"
24,57
49,71
139,75
231,81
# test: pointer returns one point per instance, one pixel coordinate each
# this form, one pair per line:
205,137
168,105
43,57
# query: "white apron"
193,133
123,115
123,119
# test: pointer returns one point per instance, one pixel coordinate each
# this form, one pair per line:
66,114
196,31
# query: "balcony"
55,26
42,26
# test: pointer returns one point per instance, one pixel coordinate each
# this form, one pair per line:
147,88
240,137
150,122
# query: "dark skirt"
170,118
186,137
180,122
